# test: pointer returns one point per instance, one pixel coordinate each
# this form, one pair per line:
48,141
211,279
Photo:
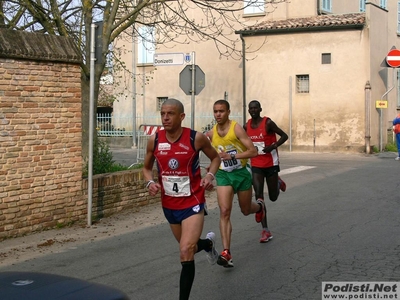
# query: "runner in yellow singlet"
233,177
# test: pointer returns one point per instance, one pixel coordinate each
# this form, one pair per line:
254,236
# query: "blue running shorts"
176,216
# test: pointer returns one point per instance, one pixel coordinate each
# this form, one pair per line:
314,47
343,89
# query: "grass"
391,147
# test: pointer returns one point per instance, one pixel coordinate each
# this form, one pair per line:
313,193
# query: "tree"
215,20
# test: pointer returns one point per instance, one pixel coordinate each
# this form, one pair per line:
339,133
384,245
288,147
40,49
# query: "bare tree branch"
173,21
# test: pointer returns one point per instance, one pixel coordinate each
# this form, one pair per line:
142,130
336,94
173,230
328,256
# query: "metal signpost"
192,81
393,60
191,78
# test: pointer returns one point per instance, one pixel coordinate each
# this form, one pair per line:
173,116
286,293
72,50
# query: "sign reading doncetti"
168,59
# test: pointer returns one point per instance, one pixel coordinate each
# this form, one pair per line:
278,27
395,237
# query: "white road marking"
295,170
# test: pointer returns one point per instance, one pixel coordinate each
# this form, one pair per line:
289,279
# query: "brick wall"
41,184
114,192
40,145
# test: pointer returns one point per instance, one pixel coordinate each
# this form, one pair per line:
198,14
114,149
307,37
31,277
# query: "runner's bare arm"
272,127
149,159
203,143
244,138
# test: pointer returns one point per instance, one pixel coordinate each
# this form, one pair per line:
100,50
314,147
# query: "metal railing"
109,124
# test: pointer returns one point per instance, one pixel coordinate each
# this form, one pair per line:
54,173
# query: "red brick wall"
40,145
119,191
41,184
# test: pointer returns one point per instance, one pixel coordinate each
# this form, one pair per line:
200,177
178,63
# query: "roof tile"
328,21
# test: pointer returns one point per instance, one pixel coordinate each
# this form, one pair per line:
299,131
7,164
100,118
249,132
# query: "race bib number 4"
176,186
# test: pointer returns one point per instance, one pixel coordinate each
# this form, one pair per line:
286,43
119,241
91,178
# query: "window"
146,44
326,58
327,5
254,7
383,4
362,5
160,101
302,84
398,16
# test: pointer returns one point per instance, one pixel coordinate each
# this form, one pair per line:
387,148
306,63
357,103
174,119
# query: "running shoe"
225,259
212,255
282,184
261,214
397,158
265,236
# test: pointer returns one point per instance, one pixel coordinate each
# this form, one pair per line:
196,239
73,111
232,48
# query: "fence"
145,131
109,124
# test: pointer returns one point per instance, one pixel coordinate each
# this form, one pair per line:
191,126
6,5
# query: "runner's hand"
154,188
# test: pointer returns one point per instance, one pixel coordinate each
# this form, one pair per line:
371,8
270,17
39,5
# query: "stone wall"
41,184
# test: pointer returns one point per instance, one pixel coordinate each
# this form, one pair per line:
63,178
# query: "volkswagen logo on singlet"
173,164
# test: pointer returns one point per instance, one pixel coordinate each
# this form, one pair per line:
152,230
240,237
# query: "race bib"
260,146
176,186
229,165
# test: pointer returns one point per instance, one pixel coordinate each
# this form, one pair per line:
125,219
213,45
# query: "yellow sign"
381,104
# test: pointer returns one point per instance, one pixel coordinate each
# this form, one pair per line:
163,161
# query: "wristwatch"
233,156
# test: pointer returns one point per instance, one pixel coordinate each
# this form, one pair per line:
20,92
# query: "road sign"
381,104
185,80
393,58
168,59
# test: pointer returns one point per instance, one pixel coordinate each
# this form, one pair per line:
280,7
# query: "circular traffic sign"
393,58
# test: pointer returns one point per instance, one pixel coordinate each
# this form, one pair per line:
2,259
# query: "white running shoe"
397,158
212,255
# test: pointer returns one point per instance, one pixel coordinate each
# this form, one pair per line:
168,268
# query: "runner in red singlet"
176,152
262,131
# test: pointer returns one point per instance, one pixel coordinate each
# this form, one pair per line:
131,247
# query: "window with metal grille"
160,101
302,84
326,58
383,4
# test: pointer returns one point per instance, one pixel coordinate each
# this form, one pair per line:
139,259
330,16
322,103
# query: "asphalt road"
337,221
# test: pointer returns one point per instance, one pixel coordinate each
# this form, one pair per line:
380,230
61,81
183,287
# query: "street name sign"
168,59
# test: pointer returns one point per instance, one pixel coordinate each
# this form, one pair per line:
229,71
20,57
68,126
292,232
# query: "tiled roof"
316,22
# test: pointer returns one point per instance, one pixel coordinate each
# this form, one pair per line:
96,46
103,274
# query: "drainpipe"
314,137
244,77
381,112
290,113
134,86
368,118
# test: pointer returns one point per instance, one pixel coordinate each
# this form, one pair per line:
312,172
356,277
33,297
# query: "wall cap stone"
35,46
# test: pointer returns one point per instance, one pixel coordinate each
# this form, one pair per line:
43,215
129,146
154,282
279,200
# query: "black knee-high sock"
204,244
187,278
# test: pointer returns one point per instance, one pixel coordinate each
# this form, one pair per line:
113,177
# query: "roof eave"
298,29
